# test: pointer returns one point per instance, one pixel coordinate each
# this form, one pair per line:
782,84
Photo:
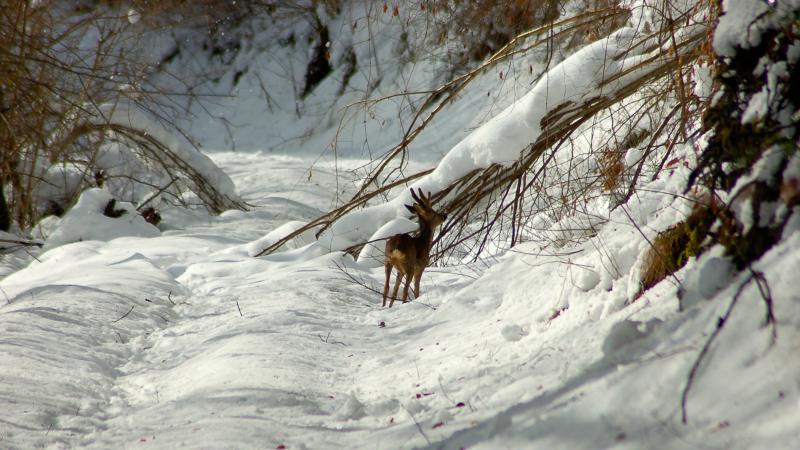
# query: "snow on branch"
155,143
507,151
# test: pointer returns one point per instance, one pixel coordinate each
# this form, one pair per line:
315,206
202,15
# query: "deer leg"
405,289
397,281
386,284
417,278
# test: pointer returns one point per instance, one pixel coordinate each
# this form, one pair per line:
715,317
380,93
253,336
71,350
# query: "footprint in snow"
513,332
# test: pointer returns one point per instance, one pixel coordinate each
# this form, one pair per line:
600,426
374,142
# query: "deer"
411,254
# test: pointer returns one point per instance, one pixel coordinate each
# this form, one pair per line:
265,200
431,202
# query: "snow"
702,76
734,29
134,16
185,340
743,23
503,137
85,221
213,185
123,335
742,26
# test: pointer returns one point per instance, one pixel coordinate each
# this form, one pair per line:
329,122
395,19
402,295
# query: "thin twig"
155,194
328,341
696,366
124,315
444,393
359,281
21,242
766,295
418,426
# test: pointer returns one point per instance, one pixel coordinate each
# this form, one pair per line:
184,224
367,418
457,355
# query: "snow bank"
185,341
85,221
205,179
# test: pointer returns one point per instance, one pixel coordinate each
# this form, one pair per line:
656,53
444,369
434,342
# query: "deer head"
423,209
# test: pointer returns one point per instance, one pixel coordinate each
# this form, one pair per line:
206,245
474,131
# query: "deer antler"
421,199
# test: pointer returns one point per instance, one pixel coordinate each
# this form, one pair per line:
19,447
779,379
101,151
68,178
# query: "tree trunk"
5,218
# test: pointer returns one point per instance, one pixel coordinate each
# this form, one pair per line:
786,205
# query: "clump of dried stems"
499,199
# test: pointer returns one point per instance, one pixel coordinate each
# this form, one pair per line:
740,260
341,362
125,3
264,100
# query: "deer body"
410,255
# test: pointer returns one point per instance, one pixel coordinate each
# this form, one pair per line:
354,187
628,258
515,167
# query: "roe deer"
411,254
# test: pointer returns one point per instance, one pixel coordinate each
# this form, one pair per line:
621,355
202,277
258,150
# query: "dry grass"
673,248
612,165
667,254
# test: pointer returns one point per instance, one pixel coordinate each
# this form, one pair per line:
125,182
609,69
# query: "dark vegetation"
736,148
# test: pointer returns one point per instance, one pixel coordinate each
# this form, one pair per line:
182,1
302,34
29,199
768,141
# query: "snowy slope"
257,353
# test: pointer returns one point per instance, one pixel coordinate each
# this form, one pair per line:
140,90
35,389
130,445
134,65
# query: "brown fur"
411,254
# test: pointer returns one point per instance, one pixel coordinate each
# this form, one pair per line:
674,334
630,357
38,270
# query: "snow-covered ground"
185,341
121,335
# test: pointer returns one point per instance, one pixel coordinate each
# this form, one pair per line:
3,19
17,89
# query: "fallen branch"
23,243
328,341
156,194
766,295
359,281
